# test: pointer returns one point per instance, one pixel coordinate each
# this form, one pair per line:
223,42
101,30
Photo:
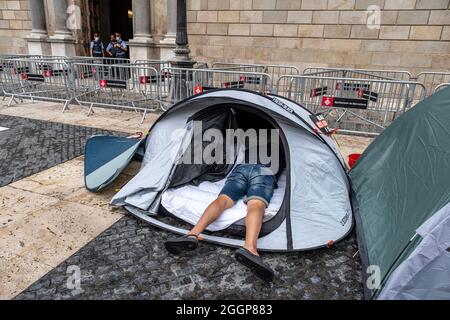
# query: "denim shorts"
252,181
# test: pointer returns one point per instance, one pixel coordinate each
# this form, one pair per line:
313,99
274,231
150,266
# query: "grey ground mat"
31,146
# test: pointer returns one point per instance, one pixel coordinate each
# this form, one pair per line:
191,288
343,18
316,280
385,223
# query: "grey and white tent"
310,208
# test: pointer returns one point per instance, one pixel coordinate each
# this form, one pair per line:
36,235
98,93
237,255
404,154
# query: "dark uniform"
118,50
97,48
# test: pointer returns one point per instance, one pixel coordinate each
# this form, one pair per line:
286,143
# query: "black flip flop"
255,264
178,245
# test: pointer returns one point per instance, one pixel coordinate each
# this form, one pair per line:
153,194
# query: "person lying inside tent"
254,182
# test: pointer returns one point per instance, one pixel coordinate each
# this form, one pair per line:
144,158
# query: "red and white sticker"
327,101
103,83
48,73
198,89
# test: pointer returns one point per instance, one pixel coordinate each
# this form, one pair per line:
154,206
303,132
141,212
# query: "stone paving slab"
103,118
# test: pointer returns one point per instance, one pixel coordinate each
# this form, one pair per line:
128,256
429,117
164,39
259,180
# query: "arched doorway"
108,17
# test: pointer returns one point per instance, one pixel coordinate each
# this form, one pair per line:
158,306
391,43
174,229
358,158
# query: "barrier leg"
91,109
11,100
66,106
143,116
134,106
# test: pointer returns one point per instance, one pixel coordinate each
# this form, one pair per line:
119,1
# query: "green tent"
401,200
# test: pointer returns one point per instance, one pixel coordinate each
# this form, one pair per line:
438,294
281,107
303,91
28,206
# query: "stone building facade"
413,34
404,34
15,26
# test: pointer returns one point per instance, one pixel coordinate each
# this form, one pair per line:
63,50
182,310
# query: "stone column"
63,42
38,38
171,22
168,43
142,38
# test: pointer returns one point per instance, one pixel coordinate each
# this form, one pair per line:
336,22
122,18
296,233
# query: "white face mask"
96,39
118,38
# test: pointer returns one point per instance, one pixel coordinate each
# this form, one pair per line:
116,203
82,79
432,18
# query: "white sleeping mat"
189,202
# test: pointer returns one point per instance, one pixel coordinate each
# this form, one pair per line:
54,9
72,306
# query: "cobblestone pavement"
128,261
31,146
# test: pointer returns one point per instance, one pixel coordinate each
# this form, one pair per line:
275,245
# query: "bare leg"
255,214
212,213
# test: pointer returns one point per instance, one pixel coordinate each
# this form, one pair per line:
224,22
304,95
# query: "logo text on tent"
283,105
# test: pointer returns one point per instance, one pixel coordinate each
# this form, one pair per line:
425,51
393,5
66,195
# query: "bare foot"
253,250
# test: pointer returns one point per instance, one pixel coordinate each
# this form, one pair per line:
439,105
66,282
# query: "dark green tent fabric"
400,181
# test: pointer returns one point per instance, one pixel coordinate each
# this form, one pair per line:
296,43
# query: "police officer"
117,48
112,42
97,47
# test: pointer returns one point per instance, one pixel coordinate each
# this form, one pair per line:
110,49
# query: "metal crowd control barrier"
156,64
36,80
441,87
122,86
353,105
275,71
5,75
162,64
359,73
238,67
18,56
178,84
433,80
82,59
4,65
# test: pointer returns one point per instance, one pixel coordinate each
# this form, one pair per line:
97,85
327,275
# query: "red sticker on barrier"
103,83
48,73
198,89
144,79
24,76
327,101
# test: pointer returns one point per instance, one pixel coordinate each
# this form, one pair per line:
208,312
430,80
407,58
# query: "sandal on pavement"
178,245
255,264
